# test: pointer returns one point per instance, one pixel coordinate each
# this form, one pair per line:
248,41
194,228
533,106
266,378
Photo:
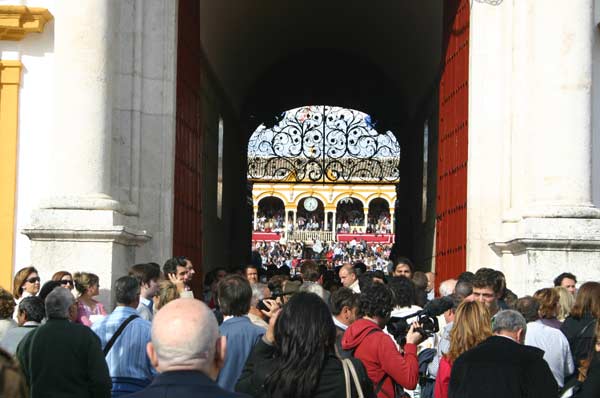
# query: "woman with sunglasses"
65,278
25,284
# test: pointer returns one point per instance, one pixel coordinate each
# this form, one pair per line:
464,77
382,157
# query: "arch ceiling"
381,57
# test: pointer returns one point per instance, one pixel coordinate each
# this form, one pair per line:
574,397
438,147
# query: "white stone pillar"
80,167
334,225
393,224
255,218
559,66
366,219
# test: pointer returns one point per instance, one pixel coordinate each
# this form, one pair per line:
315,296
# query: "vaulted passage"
255,60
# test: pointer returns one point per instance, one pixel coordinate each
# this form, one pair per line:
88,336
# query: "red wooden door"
187,222
451,208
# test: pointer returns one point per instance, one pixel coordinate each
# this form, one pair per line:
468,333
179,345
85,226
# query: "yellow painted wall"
10,77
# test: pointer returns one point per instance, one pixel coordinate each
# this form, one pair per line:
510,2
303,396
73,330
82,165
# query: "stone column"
334,225
551,225
393,224
80,168
366,220
256,218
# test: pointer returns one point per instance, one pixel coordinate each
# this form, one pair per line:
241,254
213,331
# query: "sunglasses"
66,282
33,280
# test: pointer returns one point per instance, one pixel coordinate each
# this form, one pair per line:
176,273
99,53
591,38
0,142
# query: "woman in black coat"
590,388
580,325
296,357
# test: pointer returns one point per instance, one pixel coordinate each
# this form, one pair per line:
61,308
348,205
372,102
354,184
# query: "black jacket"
500,367
591,386
183,384
261,363
580,340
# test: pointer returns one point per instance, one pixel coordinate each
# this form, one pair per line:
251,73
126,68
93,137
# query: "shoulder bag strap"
346,378
114,337
355,378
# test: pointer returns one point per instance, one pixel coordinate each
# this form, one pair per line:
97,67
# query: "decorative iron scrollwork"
323,144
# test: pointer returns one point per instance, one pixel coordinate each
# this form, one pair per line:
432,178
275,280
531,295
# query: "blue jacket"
183,384
241,335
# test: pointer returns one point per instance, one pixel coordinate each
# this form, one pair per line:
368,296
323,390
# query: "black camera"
427,318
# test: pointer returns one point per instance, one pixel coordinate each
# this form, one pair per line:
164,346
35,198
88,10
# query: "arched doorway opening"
270,216
310,214
350,216
380,220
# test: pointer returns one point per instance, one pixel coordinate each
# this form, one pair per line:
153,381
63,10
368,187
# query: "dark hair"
145,272
7,304
558,280
171,264
33,306
407,261
466,276
463,288
12,380
310,271
404,291
234,294
360,268
127,290
59,275
343,297
365,280
420,280
47,288
456,300
376,300
528,307
548,299
487,277
304,339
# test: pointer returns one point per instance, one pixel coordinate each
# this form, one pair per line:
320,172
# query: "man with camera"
389,370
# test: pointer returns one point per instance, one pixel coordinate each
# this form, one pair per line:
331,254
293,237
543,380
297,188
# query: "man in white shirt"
554,343
349,278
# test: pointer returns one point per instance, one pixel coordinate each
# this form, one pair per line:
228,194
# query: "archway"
379,220
350,216
310,214
270,216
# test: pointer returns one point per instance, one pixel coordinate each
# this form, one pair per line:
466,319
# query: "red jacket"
442,380
378,353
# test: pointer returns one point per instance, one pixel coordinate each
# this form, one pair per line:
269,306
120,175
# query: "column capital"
17,21
10,72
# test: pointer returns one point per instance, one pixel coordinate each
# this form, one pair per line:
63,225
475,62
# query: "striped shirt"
127,357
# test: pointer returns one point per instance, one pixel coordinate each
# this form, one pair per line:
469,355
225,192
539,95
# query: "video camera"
427,318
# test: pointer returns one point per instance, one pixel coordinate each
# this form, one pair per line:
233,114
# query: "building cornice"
18,21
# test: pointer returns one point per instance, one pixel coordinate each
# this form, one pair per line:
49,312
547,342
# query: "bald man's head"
185,336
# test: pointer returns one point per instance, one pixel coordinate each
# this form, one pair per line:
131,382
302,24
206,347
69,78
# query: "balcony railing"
304,236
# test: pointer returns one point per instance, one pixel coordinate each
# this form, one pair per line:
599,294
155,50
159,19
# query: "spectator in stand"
148,275
580,324
26,283
565,303
31,312
471,326
235,294
554,344
61,358
7,309
188,361
548,303
167,292
447,287
12,381
344,311
501,366
88,309
385,365
349,278
296,357
568,281
404,267
128,365
65,278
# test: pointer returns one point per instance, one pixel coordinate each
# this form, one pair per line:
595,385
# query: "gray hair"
33,306
509,320
258,293
463,288
127,290
58,302
313,287
447,287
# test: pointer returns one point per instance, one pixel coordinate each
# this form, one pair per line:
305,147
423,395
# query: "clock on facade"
310,204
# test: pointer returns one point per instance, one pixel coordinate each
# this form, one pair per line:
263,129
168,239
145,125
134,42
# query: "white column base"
98,241
537,249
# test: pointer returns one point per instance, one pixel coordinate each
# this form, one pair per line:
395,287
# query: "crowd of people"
320,331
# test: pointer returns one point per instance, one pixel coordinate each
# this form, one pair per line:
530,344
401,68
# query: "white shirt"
355,287
339,324
556,349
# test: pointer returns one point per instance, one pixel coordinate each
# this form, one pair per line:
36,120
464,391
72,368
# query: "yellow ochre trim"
17,21
10,78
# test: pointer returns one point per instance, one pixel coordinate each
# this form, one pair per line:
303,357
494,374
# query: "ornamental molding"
117,234
523,245
10,72
18,21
